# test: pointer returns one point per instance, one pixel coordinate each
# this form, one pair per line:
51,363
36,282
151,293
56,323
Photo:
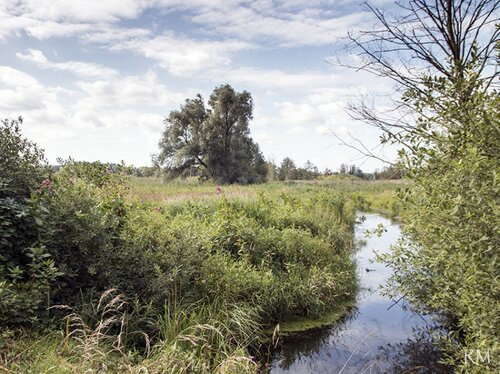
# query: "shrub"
217,271
448,261
26,268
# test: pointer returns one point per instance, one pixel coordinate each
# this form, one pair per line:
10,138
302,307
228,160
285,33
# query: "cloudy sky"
94,79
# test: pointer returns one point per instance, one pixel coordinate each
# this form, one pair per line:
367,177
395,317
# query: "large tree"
215,138
442,56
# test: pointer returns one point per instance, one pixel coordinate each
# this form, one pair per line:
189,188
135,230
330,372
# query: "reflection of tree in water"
307,343
303,344
418,355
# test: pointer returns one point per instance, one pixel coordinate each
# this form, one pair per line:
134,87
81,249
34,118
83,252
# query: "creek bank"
376,336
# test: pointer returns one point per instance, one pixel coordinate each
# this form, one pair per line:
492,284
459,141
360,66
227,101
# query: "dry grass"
94,343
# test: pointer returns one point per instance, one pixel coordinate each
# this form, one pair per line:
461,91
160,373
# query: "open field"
183,276
377,196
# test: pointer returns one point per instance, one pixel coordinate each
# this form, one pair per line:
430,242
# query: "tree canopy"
215,139
443,58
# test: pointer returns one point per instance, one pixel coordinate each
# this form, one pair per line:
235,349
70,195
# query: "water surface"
378,336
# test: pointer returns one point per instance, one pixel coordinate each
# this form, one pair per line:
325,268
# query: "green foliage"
22,164
389,172
246,252
287,170
25,289
443,57
83,215
448,261
217,140
203,278
22,169
26,268
225,269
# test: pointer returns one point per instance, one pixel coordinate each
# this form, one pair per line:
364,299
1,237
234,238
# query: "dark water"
378,336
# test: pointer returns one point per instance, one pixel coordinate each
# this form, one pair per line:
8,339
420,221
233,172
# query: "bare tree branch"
427,40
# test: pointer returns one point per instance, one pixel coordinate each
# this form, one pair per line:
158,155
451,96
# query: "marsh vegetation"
128,274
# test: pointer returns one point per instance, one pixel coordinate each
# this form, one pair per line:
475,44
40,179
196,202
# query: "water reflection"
418,355
378,336
307,343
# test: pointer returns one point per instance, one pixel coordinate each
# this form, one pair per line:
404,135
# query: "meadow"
139,275
376,196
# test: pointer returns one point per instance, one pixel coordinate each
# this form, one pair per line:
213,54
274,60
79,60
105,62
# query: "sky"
95,79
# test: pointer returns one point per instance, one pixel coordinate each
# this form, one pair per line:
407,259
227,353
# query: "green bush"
216,270
449,261
82,224
26,269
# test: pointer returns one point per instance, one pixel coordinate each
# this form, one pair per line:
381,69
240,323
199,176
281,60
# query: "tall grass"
379,196
206,337
191,338
206,274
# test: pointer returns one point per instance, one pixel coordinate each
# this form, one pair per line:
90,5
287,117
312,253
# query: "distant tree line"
144,171
287,170
389,172
113,168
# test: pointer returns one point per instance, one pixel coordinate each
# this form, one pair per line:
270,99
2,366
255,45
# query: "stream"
378,336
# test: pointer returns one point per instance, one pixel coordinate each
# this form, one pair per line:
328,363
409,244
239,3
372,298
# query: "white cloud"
49,18
48,29
13,22
13,77
282,23
323,130
82,11
20,100
183,56
296,130
298,114
23,93
136,90
110,35
273,78
263,137
286,26
79,68
125,110
320,85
